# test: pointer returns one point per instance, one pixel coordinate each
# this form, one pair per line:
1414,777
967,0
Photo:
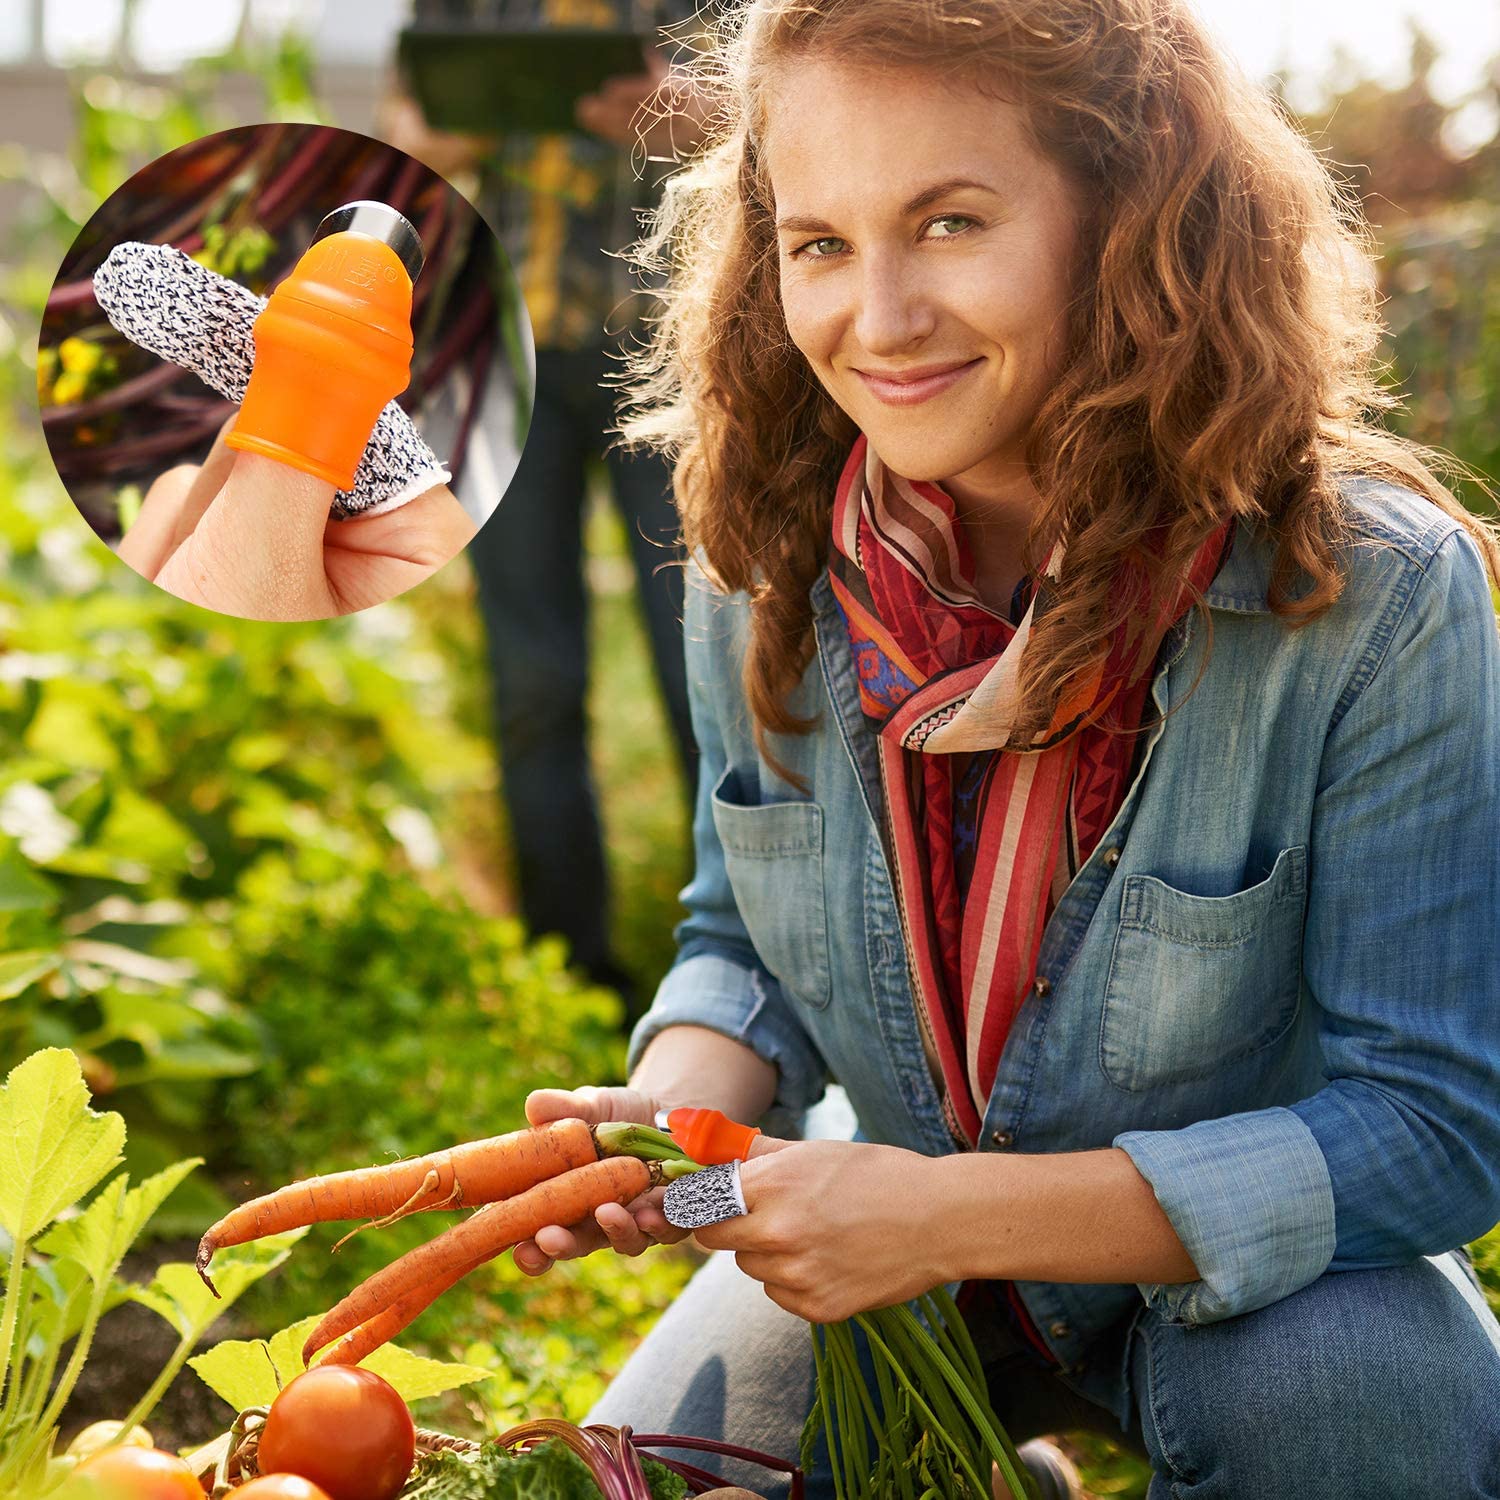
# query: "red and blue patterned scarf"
984,841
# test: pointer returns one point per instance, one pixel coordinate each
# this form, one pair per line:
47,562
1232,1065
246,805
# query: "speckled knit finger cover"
706,1197
167,303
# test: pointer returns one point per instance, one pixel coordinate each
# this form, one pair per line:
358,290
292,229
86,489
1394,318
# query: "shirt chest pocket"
1197,983
773,856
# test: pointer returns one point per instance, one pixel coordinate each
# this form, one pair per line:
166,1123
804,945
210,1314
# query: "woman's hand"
244,535
630,1229
834,1228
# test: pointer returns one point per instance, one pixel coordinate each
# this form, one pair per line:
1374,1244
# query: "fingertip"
543,1105
553,1241
534,1263
766,1145
652,1221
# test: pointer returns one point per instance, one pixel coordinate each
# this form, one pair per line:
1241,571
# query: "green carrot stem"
897,1420
995,1442
954,1331
945,1391
931,1322
852,1487
644,1142
941,1389
839,1453
918,1354
918,1442
820,1367
849,1355
856,1399
813,1424
855,1443
934,1426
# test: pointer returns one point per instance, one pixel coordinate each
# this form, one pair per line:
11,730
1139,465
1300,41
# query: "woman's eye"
813,251
962,220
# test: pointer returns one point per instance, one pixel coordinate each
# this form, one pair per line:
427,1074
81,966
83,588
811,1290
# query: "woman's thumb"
543,1105
596,1105
258,550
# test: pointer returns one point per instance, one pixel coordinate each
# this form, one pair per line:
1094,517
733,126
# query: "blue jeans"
528,559
1365,1385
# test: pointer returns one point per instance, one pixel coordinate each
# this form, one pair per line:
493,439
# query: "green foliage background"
254,874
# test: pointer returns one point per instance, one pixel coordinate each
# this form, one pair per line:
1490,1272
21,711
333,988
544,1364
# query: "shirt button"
1111,857
1002,1139
1059,1330
1043,985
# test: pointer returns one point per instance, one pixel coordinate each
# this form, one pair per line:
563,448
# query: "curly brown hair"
1221,352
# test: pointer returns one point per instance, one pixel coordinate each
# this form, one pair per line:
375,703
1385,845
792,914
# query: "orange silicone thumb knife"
333,345
707,1135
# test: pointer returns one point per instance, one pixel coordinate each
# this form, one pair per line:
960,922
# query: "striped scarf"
983,842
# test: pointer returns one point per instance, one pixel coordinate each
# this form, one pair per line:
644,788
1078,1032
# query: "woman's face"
927,255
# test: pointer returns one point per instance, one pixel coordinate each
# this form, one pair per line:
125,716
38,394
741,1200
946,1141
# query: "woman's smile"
911,389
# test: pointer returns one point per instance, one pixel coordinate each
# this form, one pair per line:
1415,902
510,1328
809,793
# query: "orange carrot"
385,1325
562,1200
475,1172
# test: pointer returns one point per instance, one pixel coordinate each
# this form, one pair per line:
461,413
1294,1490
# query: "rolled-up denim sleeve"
1398,1155
718,980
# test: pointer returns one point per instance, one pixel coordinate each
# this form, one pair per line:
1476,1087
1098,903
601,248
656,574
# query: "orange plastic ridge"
709,1136
333,345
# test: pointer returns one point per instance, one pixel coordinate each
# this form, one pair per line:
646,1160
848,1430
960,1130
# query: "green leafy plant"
64,1257
252,1372
552,1470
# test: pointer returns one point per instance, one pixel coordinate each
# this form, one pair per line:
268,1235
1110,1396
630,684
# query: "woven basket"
230,1461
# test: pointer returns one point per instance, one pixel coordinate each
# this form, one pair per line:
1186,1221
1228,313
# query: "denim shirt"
1275,983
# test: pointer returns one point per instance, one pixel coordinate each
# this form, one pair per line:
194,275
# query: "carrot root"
411,1206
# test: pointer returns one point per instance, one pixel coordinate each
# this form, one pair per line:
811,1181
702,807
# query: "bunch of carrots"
934,1434
556,1173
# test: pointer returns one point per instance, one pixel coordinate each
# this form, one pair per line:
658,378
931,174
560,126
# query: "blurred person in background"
562,204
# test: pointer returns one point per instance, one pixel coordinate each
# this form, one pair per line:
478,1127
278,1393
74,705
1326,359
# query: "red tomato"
343,1428
139,1474
280,1487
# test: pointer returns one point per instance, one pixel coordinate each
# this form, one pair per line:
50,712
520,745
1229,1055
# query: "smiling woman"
1100,728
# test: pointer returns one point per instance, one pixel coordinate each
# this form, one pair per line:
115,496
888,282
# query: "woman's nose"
894,309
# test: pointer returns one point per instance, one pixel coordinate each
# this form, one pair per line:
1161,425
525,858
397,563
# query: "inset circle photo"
265,359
